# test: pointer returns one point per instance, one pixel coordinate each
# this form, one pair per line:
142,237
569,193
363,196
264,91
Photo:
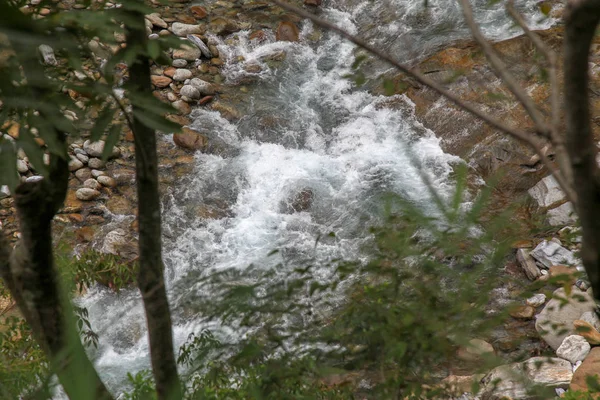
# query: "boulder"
117,242
191,140
528,264
574,348
589,368
83,174
591,318
550,253
515,380
555,321
180,29
475,350
287,31
223,26
562,215
547,192
298,202
87,194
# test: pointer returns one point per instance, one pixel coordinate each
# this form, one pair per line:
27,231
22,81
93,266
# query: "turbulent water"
305,127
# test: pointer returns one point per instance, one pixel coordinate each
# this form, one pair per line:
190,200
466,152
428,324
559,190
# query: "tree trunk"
151,279
582,17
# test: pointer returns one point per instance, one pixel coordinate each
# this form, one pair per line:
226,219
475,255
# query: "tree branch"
535,143
502,71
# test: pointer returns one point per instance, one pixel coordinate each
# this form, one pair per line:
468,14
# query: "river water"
305,127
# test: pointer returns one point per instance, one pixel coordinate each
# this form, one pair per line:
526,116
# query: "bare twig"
558,140
534,142
502,71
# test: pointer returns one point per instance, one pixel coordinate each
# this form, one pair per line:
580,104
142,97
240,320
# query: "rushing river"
304,127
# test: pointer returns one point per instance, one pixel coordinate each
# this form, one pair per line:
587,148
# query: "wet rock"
22,166
117,242
550,253
96,163
187,52
190,91
199,12
183,107
92,184
203,87
514,380
95,149
182,74
119,205
313,3
301,201
83,174
107,181
259,36
156,20
555,321
574,348
179,63
227,111
475,350
47,54
287,31
590,367
201,46
87,194
536,300
528,264
161,81
223,26
190,139
75,164
183,30
205,100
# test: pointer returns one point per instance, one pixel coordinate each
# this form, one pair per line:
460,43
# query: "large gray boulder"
555,322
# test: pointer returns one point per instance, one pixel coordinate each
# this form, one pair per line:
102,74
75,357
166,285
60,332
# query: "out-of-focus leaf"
33,150
156,122
8,165
102,122
111,140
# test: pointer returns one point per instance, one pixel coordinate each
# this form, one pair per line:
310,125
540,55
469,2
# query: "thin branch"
534,142
558,140
502,71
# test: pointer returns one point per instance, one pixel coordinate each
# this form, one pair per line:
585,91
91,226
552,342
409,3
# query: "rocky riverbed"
100,208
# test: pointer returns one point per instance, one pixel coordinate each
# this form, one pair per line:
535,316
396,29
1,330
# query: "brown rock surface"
287,31
589,368
190,139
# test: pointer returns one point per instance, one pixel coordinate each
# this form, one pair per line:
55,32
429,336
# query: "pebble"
95,149
187,52
179,63
22,166
190,91
34,178
106,181
4,191
96,163
96,173
87,194
536,300
153,36
574,348
92,184
83,158
180,29
83,174
75,164
182,74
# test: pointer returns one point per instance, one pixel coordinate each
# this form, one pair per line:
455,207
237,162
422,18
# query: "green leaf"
111,140
156,122
8,165
102,122
388,87
153,49
358,60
